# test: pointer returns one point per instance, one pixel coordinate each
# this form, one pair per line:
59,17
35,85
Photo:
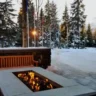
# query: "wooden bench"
17,61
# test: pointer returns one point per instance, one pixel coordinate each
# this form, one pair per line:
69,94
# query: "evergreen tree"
19,28
51,24
31,12
83,37
89,36
47,24
8,27
65,25
94,38
31,15
77,21
41,37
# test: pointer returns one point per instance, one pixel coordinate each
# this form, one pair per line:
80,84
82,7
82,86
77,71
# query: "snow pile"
77,64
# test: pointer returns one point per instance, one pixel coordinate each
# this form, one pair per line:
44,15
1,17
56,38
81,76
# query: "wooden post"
24,23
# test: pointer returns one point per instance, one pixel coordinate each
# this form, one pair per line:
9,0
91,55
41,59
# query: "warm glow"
35,82
51,86
19,75
31,74
34,32
25,78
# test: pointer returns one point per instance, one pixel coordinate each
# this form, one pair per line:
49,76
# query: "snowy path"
77,64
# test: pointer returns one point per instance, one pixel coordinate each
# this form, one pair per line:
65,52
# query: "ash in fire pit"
35,81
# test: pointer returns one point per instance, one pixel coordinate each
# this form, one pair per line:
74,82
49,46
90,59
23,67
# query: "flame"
51,86
37,84
34,81
37,87
31,74
37,78
19,75
25,78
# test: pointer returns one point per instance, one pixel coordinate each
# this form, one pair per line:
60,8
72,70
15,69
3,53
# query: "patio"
12,86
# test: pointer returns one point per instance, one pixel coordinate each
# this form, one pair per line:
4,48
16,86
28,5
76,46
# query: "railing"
16,61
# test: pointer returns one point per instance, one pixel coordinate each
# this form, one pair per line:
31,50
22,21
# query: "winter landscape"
66,27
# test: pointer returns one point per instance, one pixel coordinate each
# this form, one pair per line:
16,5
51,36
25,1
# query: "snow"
22,48
82,59
77,64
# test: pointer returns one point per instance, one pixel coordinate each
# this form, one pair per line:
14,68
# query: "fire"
25,78
31,74
51,86
19,75
35,82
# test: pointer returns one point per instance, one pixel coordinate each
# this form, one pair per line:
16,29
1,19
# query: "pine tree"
65,25
77,21
31,15
51,24
47,24
41,37
19,28
8,27
89,36
31,11
83,37
94,38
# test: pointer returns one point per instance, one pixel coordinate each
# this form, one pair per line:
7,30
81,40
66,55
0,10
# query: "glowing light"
34,32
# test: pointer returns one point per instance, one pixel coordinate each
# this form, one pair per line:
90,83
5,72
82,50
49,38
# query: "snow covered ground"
77,64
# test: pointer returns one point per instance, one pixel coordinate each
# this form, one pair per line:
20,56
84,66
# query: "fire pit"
40,81
35,81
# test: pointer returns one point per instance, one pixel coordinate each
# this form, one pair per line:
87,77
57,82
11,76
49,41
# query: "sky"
90,6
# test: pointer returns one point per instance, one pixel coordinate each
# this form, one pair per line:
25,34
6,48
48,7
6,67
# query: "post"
27,29
25,20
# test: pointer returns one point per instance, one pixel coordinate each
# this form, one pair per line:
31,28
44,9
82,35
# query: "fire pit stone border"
12,86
